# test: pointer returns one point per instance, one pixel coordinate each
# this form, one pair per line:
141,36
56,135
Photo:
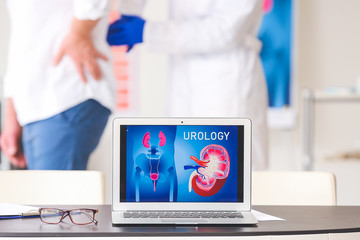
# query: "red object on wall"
121,70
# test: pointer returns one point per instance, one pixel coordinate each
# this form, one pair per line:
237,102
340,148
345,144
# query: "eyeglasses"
81,216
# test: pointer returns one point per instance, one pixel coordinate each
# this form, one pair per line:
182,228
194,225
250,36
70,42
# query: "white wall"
331,37
4,38
330,34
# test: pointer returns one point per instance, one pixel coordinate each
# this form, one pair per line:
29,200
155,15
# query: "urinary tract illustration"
155,175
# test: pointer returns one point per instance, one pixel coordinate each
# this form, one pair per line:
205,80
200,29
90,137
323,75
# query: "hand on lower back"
78,45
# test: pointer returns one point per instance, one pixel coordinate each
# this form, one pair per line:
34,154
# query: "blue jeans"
66,140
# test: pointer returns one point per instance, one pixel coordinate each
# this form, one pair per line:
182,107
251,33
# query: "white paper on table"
9,209
265,217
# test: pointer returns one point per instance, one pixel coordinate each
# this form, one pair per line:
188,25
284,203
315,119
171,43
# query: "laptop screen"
181,163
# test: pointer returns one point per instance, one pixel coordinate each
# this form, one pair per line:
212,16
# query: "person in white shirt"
59,86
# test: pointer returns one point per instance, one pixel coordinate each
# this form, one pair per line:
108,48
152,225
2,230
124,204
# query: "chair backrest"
54,187
293,188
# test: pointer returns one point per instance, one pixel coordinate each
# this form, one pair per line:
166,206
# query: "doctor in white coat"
215,69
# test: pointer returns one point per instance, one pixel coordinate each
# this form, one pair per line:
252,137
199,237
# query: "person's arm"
225,27
78,44
79,47
10,141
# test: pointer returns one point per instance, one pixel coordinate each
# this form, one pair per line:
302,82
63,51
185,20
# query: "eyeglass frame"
67,213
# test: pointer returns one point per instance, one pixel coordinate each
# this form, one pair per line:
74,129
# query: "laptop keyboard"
182,214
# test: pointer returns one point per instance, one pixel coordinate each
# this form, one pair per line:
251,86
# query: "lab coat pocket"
214,79
188,9
201,7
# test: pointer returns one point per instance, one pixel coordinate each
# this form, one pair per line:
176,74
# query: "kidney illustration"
211,171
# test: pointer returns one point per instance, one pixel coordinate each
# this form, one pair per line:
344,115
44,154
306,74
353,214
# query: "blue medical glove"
128,30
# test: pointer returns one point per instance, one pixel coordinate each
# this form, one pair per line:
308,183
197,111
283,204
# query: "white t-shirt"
40,90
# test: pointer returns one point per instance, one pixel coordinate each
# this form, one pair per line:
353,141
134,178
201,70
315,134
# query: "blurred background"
316,129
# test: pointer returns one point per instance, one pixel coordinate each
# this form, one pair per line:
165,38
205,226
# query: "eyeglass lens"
82,216
77,216
51,215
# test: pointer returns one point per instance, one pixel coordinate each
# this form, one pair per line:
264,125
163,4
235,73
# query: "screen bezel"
236,206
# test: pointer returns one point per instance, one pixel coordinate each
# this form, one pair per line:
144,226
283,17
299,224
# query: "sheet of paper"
9,209
265,217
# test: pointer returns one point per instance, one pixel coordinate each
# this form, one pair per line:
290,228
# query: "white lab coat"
214,69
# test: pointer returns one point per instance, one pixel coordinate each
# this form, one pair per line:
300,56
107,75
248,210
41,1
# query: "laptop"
181,171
